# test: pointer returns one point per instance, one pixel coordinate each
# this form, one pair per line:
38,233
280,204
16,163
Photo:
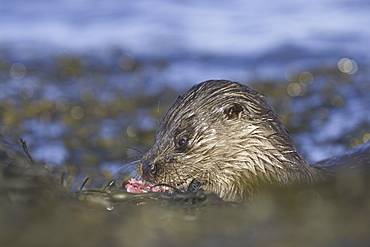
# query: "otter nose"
148,170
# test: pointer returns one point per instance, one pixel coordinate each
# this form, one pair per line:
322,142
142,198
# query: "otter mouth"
154,178
142,186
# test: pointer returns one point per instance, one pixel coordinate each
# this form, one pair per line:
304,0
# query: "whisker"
128,170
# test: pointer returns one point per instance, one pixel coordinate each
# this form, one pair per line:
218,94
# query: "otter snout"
148,170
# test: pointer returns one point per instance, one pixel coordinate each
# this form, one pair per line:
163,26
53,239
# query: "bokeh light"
366,137
296,89
26,91
306,77
18,71
77,112
130,130
347,66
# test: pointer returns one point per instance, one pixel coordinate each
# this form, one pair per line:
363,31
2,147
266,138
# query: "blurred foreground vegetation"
37,208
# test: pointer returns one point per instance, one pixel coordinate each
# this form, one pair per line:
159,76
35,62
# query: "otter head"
224,136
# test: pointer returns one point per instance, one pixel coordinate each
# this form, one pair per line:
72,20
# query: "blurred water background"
86,83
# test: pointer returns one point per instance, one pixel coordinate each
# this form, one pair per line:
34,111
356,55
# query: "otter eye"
233,111
181,144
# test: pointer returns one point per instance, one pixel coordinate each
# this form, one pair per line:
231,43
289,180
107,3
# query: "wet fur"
226,137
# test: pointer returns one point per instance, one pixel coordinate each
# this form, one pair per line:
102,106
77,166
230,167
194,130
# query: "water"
256,31
235,35
162,28
198,40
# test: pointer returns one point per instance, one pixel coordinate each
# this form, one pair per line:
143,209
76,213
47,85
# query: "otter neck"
266,156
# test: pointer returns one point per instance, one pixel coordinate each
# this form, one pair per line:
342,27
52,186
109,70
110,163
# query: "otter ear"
233,111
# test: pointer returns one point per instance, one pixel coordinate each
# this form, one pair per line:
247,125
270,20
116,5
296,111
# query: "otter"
225,137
